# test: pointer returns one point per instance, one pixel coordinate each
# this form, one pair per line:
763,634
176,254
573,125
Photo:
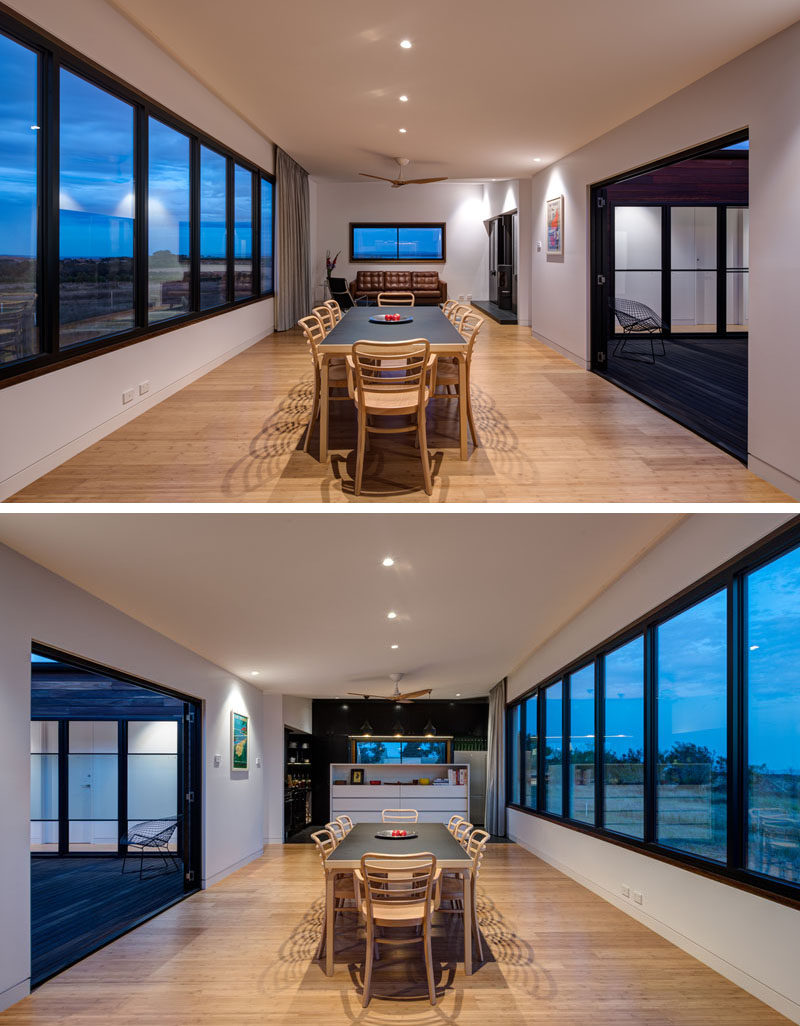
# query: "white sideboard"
363,803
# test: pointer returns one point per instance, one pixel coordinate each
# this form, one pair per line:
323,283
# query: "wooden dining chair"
453,822
335,309
397,892
396,299
447,374
457,312
343,883
450,886
337,829
392,380
399,816
462,831
346,822
314,333
325,315
448,306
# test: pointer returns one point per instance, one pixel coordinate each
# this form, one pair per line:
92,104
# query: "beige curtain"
292,287
496,762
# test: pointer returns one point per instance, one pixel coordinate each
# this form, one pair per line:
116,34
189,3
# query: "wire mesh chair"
637,319
340,292
151,837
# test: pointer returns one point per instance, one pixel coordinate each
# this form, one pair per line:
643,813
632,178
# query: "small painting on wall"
555,226
240,741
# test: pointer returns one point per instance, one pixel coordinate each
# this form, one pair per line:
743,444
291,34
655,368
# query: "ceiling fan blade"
423,181
360,694
378,177
414,694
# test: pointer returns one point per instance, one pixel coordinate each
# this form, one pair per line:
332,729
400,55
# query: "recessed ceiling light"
403,131
406,44
254,673
537,160
403,99
458,694
388,561
395,646
391,615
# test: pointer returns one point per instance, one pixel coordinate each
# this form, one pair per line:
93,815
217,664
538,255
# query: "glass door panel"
693,247
737,272
152,772
637,256
44,785
92,785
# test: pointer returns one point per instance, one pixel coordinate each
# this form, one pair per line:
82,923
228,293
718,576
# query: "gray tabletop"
433,837
429,323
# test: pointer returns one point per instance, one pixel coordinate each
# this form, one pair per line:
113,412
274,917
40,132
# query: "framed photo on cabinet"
555,226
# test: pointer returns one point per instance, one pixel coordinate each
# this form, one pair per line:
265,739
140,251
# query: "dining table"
432,838
427,322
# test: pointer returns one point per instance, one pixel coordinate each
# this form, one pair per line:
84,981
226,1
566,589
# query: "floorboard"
549,432
241,952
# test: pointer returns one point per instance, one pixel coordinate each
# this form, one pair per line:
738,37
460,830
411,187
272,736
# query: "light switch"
538,247
217,760
258,761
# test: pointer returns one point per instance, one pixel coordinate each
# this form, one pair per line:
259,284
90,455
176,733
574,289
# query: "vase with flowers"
330,264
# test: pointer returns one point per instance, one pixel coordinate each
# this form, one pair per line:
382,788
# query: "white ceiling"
490,86
303,597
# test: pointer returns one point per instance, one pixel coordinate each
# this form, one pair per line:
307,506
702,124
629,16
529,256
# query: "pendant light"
366,729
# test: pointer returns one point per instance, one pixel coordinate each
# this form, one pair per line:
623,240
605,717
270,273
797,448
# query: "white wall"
279,711
297,713
501,198
460,206
749,939
759,90
52,417
36,605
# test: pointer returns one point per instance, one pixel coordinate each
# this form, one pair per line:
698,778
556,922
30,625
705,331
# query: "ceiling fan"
397,182
403,699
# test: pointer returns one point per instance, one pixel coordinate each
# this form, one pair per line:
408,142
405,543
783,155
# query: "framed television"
397,242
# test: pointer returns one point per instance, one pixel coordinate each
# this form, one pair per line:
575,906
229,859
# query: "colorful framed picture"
555,226
240,741
356,775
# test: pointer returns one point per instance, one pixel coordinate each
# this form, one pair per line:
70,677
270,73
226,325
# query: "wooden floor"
549,432
241,952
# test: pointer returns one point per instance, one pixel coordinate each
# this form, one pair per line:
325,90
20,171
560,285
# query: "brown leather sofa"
428,289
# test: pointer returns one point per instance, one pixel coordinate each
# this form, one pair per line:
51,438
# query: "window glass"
623,743
419,243
581,745
773,718
92,785
19,141
168,235
531,751
266,236
242,232
553,766
375,243
44,785
692,690
96,212
213,229
514,752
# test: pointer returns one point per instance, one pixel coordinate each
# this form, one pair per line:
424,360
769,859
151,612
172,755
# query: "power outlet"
461,299
626,891
127,396
469,297
637,897
144,387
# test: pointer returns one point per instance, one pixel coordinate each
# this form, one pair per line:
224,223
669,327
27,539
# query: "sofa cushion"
370,281
398,281
425,281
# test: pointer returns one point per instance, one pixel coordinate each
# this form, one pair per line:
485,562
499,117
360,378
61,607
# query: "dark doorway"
502,302
115,830
670,298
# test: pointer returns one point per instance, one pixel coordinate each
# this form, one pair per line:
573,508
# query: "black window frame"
397,225
53,54
730,577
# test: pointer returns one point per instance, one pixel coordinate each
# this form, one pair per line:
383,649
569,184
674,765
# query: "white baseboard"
273,840
14,994
582,362
740,977
776,477
32,473
209,881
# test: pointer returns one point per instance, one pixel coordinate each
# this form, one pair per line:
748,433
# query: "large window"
19,198
380,750
102,194
169,216
691,717
390,242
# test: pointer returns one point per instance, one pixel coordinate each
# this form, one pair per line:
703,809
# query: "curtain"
293,291
496,761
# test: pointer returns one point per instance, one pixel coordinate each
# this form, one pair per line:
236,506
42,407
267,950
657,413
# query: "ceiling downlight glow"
388,561
391,615
406,44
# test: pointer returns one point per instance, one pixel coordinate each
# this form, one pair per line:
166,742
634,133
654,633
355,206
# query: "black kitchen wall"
334,720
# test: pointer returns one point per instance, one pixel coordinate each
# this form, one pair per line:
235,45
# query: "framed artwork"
240,741
555,226
356,775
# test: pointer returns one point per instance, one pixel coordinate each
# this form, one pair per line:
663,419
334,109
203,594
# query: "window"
514,742
390,242
44,785
96,207
169,217
213,229
623,741
553,749
772,750
19,198
692,682
380,750
581,744
266,236
531,752
242,233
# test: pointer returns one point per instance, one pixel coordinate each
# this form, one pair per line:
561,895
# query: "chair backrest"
341,293
335,309
468,327
314,334
325,842
453,822
395,299
635,316
475,845
399,816
397,881
462,831
325,315
336,829
346,822
151,832
448,307
407,372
